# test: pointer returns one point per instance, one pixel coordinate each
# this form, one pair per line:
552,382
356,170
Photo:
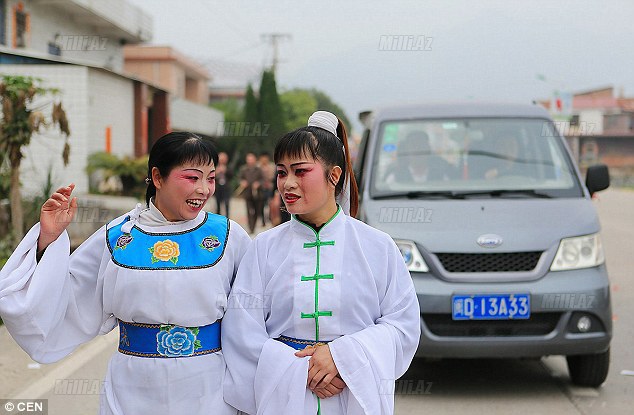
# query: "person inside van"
506,158
416,163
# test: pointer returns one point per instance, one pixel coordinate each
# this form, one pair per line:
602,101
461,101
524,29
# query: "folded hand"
323,376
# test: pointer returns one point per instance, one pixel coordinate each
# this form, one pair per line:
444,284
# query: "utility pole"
273,39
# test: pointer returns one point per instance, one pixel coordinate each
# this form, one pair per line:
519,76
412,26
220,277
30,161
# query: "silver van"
497,228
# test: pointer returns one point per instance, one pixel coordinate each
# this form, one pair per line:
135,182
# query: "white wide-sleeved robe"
353,279
55,305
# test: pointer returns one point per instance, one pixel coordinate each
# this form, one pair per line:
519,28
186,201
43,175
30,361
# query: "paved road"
538,386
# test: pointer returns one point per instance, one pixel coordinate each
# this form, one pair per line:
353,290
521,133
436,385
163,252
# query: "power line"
273,39
241,50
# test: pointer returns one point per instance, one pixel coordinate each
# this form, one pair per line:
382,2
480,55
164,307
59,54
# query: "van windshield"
472,157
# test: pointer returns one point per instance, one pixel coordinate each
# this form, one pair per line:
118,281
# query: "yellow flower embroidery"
165,251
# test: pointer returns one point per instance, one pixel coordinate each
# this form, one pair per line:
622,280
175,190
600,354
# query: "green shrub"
131,171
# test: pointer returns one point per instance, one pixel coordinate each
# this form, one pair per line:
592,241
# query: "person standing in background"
223,179
251,179
268,171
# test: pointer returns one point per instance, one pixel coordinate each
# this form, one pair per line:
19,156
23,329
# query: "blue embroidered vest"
200,247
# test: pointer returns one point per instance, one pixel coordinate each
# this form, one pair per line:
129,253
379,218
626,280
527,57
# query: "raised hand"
56,213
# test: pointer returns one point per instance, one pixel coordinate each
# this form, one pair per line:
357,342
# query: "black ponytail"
150,192
354,189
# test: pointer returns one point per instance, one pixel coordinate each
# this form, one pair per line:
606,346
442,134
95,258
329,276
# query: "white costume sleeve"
53,306
261,372
370,360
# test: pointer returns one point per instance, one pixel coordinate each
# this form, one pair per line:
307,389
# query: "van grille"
539,324
497,262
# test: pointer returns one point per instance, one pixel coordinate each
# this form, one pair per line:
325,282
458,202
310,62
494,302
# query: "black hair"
322,145
415,143
175,149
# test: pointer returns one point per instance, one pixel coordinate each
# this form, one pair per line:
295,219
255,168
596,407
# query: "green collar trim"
323,226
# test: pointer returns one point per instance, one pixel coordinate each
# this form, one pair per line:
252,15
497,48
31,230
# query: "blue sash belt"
168,340
298,344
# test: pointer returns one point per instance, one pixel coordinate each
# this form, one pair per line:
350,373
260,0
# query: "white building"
77,46
85,30
95,100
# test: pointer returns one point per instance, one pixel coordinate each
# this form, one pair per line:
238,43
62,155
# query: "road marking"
582,392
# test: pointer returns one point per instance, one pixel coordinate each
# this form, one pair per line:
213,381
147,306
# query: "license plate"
491,307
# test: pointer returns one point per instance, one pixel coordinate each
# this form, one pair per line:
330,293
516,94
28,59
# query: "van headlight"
412,257
580,252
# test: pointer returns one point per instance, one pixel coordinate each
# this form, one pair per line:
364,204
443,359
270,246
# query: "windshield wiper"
420,194
503,192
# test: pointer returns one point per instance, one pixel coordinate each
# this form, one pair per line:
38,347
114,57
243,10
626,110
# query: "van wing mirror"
366,118
597,178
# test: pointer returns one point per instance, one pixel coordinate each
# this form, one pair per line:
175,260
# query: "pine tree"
245,131
251,106
270,112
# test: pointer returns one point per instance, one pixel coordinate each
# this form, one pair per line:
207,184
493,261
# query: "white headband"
329,122
324,120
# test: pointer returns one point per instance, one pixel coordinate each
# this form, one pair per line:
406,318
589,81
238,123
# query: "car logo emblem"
489,241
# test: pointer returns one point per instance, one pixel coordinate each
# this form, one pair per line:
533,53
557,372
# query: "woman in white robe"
323,277
163,271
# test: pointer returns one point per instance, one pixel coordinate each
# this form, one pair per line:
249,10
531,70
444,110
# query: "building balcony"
117,18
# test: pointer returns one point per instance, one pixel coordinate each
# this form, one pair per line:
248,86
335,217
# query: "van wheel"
589,369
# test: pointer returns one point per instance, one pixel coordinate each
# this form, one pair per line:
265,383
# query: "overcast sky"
471,50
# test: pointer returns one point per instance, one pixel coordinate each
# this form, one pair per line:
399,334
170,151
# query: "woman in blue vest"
162,273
